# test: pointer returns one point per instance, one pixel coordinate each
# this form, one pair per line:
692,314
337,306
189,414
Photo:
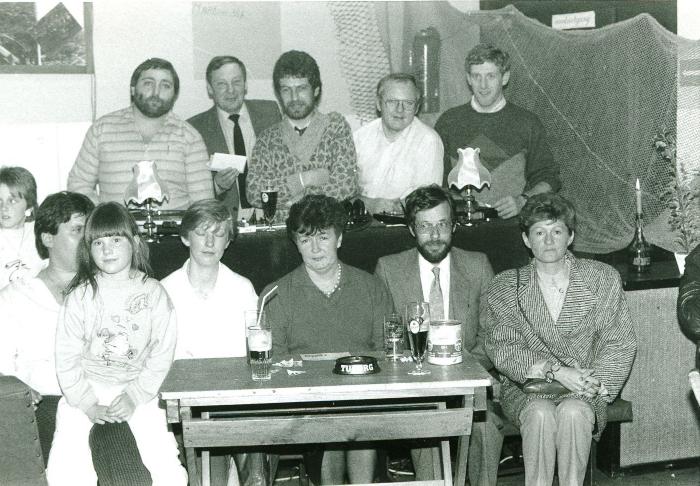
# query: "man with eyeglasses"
454,282
512,140
397,152
231,125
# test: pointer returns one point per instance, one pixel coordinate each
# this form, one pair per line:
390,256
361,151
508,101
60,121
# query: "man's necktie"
300,131
239,149
437,306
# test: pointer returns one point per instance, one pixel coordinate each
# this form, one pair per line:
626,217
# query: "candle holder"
146,189
150,225
472,212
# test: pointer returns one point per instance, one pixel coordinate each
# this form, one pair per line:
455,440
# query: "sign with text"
689,72
578,20
248,30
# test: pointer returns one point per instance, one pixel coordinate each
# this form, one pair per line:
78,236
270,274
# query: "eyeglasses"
427,228
405,104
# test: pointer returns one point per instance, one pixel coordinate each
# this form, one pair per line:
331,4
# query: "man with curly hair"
308,151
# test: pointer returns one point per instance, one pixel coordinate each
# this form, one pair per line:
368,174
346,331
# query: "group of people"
89,324
303,151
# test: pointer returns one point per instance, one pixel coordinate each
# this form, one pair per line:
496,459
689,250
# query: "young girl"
18,205
114,345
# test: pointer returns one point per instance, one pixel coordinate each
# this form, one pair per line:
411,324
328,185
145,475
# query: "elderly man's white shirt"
211,326
392,170
27,334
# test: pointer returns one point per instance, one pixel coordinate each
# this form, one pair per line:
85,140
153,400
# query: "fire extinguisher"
425,61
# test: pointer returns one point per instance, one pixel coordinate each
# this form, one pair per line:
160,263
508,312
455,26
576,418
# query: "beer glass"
268,197
393,335
259,338
417,324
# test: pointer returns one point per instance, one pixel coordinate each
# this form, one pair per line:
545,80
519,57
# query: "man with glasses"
397,152
454,282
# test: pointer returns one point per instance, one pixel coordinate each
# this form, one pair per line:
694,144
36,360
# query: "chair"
694,377
22,431
21,459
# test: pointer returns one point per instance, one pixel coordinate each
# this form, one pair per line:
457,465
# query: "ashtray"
356,365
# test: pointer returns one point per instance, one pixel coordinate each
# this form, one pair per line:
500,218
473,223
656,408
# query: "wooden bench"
605,454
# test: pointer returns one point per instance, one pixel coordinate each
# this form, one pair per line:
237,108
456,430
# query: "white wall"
44,117
688,19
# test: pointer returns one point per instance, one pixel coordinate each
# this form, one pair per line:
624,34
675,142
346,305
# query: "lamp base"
469,212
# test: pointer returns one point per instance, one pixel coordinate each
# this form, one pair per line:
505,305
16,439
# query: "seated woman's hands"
581,381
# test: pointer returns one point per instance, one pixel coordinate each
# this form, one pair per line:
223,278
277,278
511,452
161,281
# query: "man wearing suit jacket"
453,281
232,125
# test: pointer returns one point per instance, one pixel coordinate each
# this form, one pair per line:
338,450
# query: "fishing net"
602,95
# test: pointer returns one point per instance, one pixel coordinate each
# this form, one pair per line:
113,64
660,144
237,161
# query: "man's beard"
435,251
153,106
298,110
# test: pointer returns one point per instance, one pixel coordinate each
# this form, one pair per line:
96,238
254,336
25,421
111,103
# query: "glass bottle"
639,251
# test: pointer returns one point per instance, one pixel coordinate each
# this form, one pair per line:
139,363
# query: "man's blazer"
470,275
263,113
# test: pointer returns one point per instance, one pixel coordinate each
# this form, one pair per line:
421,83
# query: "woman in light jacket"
559,319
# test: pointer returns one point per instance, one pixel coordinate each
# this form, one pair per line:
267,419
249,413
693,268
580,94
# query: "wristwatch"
549,374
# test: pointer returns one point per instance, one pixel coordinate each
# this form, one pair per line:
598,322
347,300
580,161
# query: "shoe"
401,467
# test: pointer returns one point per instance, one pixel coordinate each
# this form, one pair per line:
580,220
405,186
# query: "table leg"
446,458
460,476
206,469
437,463
447,462
190,452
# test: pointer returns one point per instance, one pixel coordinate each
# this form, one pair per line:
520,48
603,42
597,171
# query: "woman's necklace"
553,287
558,281
337,282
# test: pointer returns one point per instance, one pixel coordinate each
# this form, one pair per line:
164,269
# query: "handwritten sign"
248,30
578,20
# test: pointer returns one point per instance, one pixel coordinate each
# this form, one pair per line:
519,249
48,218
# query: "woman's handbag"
540,386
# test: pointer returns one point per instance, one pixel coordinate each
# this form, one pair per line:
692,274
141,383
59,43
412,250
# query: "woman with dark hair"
563,322
326,306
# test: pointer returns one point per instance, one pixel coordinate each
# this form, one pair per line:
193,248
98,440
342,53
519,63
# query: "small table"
318,406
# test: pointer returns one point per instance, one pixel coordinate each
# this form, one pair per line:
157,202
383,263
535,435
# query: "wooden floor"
680,477
675,477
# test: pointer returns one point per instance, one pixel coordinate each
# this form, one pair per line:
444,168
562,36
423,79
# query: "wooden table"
318,406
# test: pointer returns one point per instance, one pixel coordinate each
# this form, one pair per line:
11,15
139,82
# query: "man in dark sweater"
511,140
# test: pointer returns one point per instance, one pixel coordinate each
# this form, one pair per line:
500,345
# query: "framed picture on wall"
46,37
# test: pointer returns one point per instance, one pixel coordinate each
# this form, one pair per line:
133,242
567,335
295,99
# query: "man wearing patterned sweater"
308,151
146,130
511,140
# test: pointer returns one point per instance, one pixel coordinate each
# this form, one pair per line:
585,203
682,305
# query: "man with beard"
512,140
146,130
231,125
454,282
307,152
